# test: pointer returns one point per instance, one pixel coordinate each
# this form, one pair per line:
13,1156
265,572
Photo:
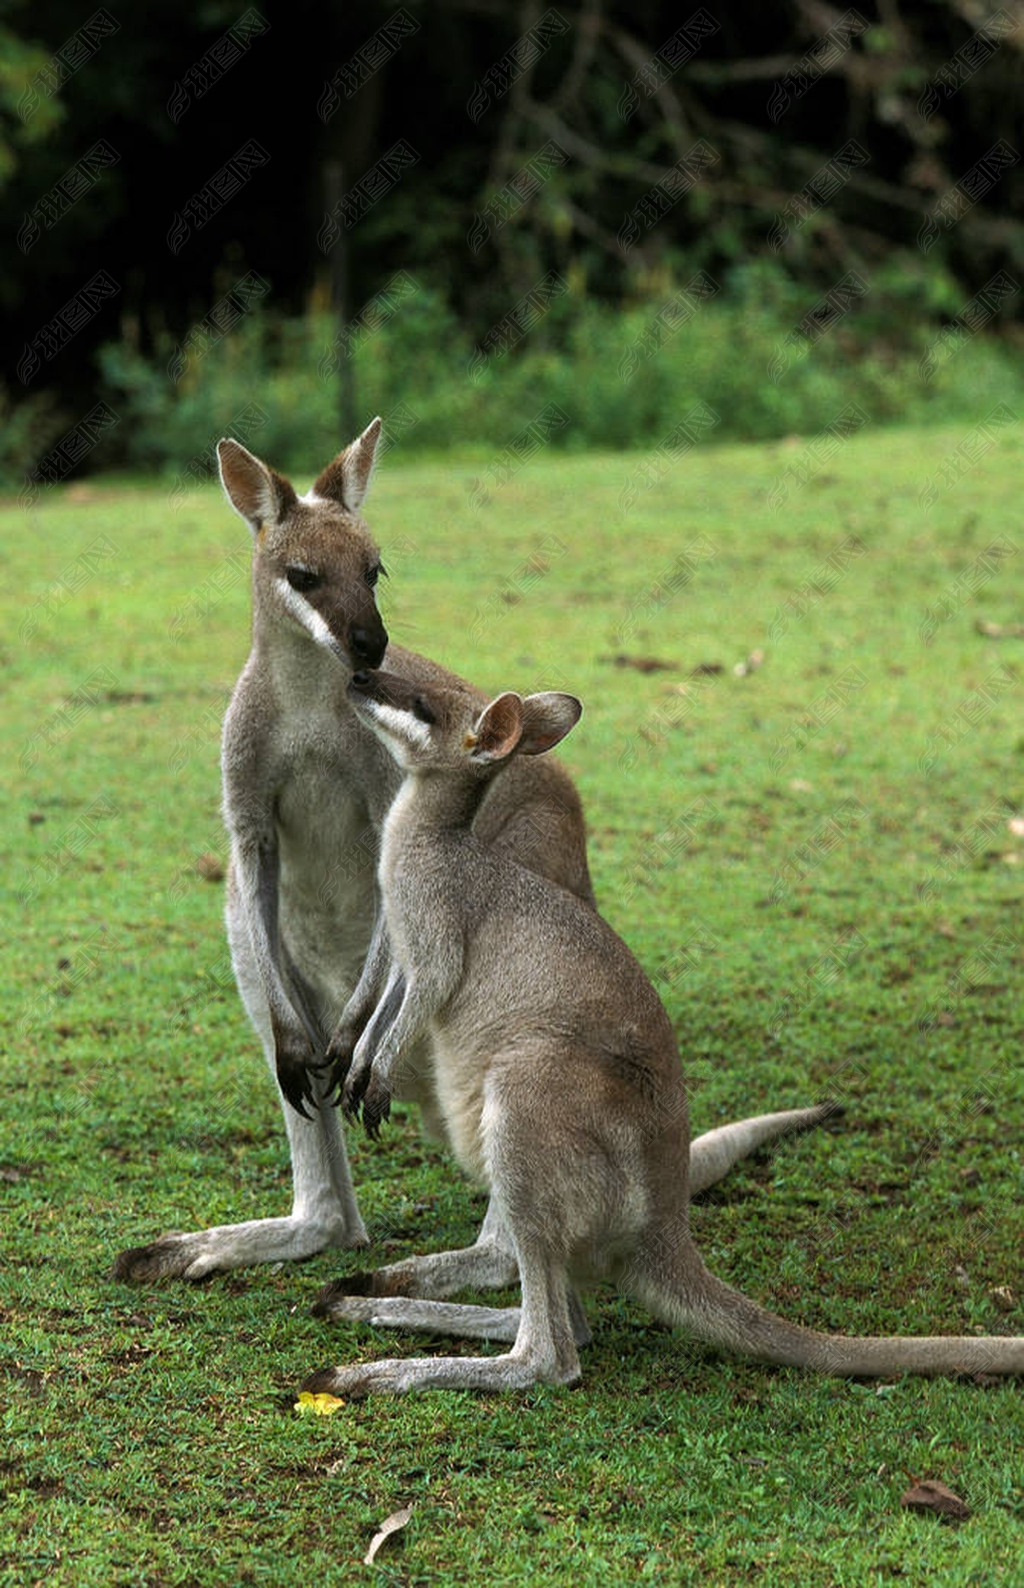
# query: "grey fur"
557,1076
306,789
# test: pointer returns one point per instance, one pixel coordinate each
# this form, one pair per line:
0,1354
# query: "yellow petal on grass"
321,1405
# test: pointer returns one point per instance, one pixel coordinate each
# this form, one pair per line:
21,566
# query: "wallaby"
557,1074
306,788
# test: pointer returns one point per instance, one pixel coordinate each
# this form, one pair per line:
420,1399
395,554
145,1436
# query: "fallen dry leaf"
931,1495
643,664
1004,1298
210,868
1000,631
394,1523
322,1405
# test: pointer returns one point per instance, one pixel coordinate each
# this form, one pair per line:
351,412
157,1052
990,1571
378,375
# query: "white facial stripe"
310,619
401,723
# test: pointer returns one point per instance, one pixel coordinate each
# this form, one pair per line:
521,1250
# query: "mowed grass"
814,857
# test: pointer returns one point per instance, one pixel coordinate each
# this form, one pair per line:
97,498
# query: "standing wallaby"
557,1075
306,789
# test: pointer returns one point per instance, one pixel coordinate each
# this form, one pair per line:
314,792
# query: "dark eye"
422,710
373,574
302,578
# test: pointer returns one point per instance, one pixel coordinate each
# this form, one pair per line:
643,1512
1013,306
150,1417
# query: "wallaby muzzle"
384,687
367,646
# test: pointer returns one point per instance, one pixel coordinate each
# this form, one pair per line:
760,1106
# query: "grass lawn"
814,856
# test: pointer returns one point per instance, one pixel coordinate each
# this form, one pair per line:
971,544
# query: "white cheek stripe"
401,724
308,616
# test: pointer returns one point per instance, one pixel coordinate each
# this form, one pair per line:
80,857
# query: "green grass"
805,945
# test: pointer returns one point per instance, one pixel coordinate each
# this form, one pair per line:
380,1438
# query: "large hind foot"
225,1246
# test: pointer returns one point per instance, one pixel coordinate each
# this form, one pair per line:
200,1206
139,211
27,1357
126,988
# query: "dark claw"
338,1060
353,1091
376,1109
293,1079
321,1382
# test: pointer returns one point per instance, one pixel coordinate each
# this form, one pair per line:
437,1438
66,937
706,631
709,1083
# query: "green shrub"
623,377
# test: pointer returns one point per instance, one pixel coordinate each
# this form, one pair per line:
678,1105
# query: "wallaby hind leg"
324,1209
438,1317
464,1321
489,1264
544,1351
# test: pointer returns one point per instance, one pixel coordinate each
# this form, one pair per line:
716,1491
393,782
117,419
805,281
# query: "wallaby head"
428,728
315,564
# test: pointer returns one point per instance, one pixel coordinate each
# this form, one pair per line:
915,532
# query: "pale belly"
327,885
462,1107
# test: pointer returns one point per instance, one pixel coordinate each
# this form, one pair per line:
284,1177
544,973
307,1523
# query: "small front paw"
351,1095
376,1106
296,1064
337,1061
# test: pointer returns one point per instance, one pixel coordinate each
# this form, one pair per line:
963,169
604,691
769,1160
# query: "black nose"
368,649
360,680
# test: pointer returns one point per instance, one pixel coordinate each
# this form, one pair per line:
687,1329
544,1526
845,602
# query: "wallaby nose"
368,649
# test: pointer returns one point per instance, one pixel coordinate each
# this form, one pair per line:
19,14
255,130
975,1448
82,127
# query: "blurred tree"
172,148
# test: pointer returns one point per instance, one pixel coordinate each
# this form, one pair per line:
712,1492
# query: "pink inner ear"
501,727
244,482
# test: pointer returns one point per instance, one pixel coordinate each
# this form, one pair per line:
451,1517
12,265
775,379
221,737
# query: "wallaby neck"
301,670
433,805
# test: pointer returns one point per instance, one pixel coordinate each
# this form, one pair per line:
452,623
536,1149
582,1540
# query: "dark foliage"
635,143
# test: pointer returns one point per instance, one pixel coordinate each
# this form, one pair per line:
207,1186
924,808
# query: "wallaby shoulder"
537,947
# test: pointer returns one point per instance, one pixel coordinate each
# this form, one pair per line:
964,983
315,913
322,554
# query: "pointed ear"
498,729
257,492
547,718
347,480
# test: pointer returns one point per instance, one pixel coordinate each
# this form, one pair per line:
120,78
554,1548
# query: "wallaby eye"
302,578
421,709
373,574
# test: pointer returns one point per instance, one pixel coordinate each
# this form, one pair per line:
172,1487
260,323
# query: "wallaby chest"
327,848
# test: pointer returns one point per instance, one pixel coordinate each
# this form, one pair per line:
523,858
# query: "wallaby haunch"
557,1075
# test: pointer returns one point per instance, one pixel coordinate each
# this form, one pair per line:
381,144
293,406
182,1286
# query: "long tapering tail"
720,1316
713,1154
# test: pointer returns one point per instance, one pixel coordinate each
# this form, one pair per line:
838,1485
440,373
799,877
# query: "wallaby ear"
498,729
347,480
547,718
257,492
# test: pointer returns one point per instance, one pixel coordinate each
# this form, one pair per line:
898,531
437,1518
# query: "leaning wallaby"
306,788
557,1075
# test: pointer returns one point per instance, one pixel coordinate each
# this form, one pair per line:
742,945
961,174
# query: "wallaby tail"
720,1316
713,1154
